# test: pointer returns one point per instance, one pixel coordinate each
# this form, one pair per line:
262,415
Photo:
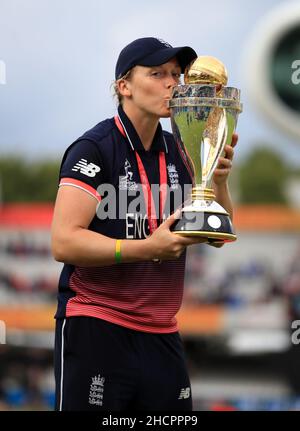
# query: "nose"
171,81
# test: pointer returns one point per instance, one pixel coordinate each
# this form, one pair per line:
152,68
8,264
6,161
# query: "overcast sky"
60,57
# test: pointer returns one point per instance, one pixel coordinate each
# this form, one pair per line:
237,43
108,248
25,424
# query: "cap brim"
183,54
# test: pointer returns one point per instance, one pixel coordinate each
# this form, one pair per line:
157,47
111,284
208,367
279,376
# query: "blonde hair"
115,87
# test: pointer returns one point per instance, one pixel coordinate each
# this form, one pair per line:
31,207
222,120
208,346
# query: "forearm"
223,197
83,247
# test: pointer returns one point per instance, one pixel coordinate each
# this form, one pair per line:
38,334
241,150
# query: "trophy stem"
201,193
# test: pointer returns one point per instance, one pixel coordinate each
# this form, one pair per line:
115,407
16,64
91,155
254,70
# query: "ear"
124,87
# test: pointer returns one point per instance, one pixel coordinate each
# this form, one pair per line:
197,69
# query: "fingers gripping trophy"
204,115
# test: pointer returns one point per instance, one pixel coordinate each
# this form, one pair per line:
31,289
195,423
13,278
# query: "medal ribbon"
163,182
149,201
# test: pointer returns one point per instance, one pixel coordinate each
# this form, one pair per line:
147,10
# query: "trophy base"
216,227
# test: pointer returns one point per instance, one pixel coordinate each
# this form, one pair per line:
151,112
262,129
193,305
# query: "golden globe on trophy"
204,115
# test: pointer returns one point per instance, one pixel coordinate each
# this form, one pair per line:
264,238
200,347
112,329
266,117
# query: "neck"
144,124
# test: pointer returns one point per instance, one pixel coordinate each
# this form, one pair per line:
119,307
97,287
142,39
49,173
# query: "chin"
165,114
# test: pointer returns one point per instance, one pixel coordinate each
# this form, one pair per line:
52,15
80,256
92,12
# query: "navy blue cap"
150,51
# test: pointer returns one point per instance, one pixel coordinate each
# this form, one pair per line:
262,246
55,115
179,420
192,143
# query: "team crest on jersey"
173,175
96,391
126,182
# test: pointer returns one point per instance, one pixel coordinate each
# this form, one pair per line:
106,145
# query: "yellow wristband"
118,256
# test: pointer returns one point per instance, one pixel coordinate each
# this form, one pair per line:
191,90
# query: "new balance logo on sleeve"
89,169
184,393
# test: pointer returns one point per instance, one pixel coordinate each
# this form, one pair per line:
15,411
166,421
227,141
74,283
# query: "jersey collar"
127,129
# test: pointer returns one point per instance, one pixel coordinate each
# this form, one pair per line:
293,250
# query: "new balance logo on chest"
85,168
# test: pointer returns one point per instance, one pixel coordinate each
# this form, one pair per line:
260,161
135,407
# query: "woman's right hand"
165,245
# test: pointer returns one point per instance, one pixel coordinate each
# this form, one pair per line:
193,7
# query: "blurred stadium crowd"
26,373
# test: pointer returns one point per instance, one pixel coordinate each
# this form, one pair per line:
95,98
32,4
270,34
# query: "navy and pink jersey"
104,162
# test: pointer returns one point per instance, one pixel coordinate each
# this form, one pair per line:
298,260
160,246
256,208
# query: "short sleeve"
82,167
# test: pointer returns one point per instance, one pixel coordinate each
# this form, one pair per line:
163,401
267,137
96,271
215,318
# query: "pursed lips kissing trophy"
204,115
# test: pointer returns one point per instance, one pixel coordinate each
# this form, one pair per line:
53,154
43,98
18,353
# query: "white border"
62,366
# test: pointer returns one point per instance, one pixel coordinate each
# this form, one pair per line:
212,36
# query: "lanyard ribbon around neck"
148,196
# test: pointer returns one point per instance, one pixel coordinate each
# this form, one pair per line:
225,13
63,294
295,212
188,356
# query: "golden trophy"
204,115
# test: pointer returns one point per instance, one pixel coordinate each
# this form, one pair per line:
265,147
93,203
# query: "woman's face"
150,88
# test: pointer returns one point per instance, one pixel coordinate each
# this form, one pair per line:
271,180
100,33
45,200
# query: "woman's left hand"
224,165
